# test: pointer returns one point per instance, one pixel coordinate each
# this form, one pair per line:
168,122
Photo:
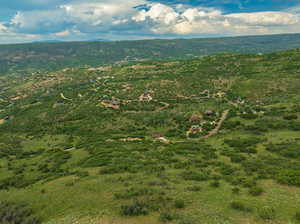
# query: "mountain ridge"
51,56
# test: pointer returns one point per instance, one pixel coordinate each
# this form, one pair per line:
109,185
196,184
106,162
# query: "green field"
212,140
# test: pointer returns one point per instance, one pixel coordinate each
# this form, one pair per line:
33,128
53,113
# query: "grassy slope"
63,140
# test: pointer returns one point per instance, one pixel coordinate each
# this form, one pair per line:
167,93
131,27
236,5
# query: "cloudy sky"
35,20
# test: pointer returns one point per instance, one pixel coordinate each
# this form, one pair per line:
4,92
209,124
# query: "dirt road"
219,125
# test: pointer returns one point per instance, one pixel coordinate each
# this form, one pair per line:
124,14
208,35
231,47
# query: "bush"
12,213
179,204
256,191
166,216
195,176
236,158
215,184
249,116
82,173
290,177
266,213
185,221
194,188
135,209
290,117
240,206
236,190
297,216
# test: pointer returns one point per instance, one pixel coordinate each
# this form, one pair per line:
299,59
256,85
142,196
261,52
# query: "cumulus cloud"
40,21
199,20
139,17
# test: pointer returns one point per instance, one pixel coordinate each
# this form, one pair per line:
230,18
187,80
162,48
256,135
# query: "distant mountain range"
56,55
48,41
59,41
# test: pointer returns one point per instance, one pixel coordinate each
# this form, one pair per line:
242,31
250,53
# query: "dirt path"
165,106
219,125
231,103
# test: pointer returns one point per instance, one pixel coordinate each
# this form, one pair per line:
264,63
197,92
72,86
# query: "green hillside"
45,56
208,140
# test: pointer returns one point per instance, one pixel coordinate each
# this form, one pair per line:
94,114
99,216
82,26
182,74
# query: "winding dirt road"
219,125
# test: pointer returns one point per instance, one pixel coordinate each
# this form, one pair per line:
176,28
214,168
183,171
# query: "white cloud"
2,27
164,19
266,18
95,16
159,13
40,21
122,18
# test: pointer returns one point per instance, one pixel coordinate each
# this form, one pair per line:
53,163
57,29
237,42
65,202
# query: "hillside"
209,140
45,56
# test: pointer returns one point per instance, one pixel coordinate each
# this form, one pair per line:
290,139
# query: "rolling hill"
206,140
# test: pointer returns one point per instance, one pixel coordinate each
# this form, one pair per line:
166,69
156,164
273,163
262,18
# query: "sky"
73,20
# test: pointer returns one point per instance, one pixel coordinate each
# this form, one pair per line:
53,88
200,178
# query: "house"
209,112
146,97
7,118
195,129
194,119
219,95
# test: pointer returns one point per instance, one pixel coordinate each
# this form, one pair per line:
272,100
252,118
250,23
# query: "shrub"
290,117
240,206
12,213
196,176
266,212
227,170
82,173
215,184
69,183
236,158
185,221
133,193
256,191
179,204
297,216
193,188
166,216
135,209
236,190
249,116
290,177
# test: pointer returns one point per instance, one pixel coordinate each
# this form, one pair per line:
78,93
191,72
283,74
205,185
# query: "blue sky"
35,20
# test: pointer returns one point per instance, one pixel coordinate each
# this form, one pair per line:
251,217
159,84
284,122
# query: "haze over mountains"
45,56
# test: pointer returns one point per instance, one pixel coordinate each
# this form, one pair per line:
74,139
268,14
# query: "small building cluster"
146,97
195,129
197,123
